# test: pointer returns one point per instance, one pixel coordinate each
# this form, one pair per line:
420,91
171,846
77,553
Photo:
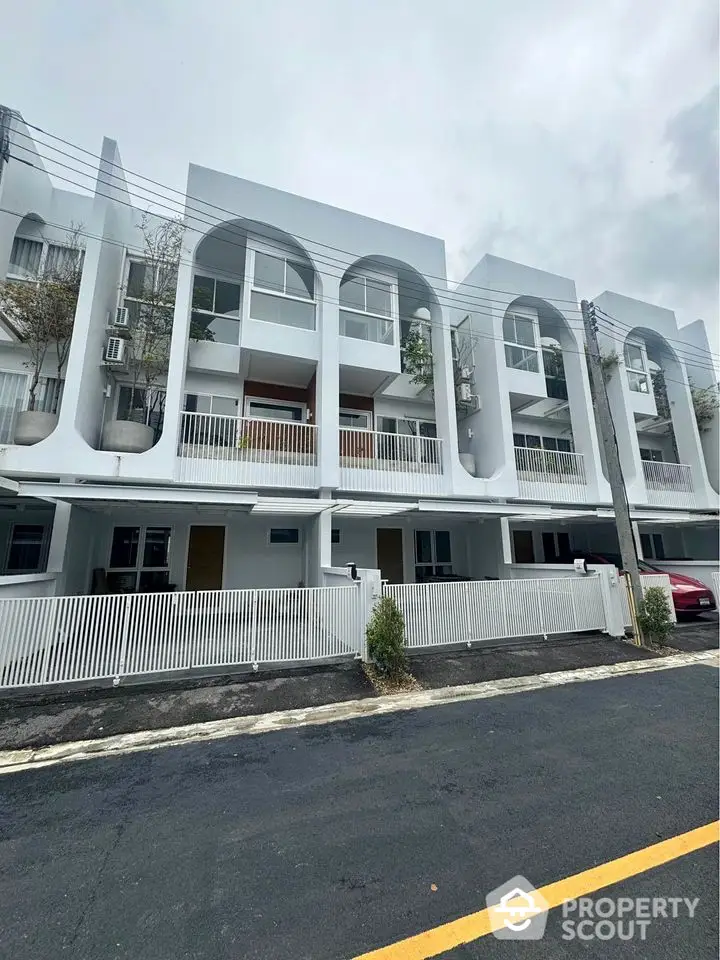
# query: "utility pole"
612,457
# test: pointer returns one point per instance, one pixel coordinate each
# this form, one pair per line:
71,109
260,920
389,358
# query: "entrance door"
390,555
205,558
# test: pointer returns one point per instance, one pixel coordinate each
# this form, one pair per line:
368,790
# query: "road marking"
446,937
13,761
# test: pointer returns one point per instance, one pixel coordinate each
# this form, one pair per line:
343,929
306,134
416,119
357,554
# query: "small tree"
418,357
705,401
386,638
43,312
655,617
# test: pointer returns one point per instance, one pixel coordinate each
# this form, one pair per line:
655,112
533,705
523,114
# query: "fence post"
124,640
610,587
253,631
540,610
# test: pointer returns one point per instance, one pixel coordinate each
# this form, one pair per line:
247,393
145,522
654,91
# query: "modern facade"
287,429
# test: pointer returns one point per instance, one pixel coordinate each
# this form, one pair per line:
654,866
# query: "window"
204,403
284,535
520,350
147,288
415,440
366,309
63,261
533,442
139,560
25,258
27,550
216,309
334,535
12,393
638,378
272,410
432,554
142,406
554,367
220,429
357,419
652,545
523,551
556,547
292,301
527,460
652,455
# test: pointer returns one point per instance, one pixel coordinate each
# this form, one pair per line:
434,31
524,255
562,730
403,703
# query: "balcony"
245,452
547,475
390,463
668,484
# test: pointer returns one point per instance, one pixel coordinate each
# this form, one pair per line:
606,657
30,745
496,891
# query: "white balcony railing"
239,451
668,484
390,462
551,475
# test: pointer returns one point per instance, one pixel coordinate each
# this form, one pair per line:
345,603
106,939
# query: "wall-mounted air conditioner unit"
465,373
464,393
114,351
121,318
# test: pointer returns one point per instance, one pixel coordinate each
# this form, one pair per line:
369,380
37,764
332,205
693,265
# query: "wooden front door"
206,550
390,554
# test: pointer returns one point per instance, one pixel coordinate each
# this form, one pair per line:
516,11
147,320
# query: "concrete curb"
12,761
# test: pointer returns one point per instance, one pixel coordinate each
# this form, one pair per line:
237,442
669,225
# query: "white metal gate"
467,611
46,640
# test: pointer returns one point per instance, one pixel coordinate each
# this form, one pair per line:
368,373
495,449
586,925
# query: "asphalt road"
326,842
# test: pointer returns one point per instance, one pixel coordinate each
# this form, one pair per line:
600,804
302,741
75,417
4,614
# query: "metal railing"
551,475
476,610
246,452
49,640
668,484
390,462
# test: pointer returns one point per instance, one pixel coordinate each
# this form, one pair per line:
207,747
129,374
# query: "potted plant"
42,313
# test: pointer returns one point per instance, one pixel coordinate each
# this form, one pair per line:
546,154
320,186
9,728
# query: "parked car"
690,597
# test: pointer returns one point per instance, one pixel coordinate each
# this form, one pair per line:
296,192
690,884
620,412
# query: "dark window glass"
335,536
533,442
121,582
299,280
153,580
519,439
227,298
25,554
423,546
548,542
646,545
157,547
124,550
284,535
203,294
564,446
442,546
523,546
139,280
563,540
549,443
659,546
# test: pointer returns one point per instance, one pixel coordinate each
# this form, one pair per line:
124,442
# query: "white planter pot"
468,461
32,426
124,436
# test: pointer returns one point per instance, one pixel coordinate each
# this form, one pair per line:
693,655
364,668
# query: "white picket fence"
716,586
49,640
648,580
469,611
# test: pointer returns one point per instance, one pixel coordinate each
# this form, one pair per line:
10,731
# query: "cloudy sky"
578,137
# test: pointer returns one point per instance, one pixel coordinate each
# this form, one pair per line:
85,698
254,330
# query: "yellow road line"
475,925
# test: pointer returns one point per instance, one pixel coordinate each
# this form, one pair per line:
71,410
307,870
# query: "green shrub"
655,618
386,637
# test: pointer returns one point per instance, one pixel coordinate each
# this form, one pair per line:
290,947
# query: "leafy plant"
42,312
655,617
386,638
417,356
705,401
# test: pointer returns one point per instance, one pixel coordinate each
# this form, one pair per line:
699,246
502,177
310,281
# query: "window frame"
637,375
211,396
139,567
651,450
44,549
346,411
433,565
283,543
370,315
216,277
272,402
531,352
253,248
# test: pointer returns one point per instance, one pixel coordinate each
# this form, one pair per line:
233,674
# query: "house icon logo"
517,911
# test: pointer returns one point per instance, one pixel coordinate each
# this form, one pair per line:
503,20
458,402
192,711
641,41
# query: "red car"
690,596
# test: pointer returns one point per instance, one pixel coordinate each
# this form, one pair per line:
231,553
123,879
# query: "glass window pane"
355,326
121,582
157,547
524,332
197,403
442,546
519,439
637,382
634,357
284,535
25,257
227,298
299,280
224,406
533,442
218,329
387,424
131,405
25,553
203,293
564,446
509,327
12,392
124,550
357,420
290,313
379,297
428,429
549,443
274,411
352,293
269,272
423,546
139,279
152,581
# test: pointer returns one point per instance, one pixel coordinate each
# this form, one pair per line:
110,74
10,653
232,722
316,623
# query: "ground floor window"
139,560
556,547
27,549
652,545
433,557
284,535
651,454
523,551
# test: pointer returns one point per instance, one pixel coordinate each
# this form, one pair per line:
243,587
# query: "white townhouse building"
289,438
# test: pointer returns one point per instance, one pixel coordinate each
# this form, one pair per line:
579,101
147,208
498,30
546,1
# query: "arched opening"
27,249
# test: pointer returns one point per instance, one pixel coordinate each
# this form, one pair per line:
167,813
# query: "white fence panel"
469,611
716,586
47,640
648,580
